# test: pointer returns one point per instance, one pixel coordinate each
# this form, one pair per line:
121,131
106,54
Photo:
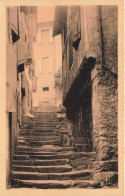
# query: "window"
44,36
45,88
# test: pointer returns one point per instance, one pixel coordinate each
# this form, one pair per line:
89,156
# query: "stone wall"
65,127
100,42
12,129
104,103
109,36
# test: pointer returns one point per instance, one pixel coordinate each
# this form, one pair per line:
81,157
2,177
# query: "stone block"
104,104
107,178
82,160
65,139
106,165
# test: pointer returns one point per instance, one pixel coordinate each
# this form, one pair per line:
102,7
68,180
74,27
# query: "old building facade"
89,57
47,64
19,68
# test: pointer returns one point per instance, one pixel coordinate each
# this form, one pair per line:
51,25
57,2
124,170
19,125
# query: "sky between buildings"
45,13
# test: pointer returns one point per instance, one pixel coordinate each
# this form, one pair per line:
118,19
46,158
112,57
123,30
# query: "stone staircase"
40,162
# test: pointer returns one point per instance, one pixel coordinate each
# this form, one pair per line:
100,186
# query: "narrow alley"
62,97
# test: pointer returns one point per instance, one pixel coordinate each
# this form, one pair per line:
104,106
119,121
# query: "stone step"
43,169
28,125
37,114
82,154
51,184
53,162
47,118
45,148
40,157
81,148
38,129
45,114
38,133
41,119
37,153
38,143
37,138
82,160
83,175
40,124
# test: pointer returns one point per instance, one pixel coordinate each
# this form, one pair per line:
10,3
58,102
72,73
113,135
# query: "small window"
45,88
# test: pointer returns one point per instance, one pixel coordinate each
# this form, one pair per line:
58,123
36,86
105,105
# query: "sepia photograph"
62,97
